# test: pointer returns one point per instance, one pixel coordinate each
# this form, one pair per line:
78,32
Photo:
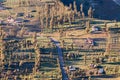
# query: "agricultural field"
46,40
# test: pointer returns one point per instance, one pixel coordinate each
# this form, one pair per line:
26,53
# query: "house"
90,41
1,7
95,28
10,19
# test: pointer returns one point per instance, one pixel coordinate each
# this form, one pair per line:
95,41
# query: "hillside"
107,10
104,9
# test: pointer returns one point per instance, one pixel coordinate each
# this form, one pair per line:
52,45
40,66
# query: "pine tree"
47,22
47,15
20,3
81,7
64,19
90,12
70,6
69,18
106,27
108,45
89,78
75,7
63,43
12,32
116,25
37,57
85,58
22,31
21,62
83,15
79,14
34,37
58,64
87,26
30,55
51,55
51,22
41,23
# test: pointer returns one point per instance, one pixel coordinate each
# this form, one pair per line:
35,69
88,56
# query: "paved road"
61,62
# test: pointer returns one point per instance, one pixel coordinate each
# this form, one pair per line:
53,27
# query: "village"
46,40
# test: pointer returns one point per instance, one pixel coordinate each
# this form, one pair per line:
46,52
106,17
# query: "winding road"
61,62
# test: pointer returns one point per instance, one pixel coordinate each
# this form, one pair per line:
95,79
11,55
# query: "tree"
106,27
51,54
63,43
83,15
108,45
34,37
30,55
70,6
116,25
85,58
75,7
37,12
64,19
90,12
72,46
72,15
58,64
69,18
20,3
89,78
41,23
28,3
22,31
87,26
81,7
51,22
21,62
47,14
47,22
12,32
79,14
37,58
